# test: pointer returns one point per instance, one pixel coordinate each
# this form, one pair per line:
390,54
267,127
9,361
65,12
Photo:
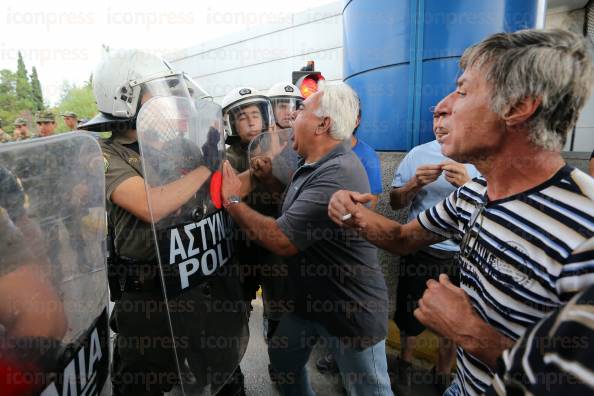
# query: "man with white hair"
527,226
340,296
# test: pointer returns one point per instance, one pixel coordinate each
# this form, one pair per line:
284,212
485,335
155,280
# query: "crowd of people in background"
46,126
497,251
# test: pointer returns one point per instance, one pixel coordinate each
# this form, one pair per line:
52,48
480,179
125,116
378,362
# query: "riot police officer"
162,334
247,113
285,99
252,134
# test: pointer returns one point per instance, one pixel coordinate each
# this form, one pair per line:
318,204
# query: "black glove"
210,150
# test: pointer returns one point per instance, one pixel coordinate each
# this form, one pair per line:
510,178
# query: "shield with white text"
182,149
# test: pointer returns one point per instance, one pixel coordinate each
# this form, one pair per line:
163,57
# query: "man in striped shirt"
526,228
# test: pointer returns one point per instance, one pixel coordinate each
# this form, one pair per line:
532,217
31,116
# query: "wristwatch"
233,199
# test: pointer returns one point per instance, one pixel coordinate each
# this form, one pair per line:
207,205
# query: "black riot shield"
53,284
182,148
277,146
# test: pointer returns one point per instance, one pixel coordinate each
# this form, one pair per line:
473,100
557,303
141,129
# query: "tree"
8,99
36,94
19,96
23,86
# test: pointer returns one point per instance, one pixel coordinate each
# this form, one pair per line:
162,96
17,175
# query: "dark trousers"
143,356
415,270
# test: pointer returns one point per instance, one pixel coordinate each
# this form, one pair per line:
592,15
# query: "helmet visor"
283,108
174,85
248,120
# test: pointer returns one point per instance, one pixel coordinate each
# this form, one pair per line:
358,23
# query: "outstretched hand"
346,209
231,182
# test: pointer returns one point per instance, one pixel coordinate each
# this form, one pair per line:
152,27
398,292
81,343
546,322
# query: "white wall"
268,54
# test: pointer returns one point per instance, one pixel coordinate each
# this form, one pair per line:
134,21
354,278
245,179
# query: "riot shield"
53,284
180,148
277,146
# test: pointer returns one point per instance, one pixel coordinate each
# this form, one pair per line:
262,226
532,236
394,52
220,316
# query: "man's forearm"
401,197
483,342
261,229
167,199
394,237
381,231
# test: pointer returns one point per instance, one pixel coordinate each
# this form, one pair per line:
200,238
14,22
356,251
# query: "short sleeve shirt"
372,165
133,237
336,278
433,193
525,255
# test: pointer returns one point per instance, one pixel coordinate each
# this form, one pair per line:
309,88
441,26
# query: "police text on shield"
199,249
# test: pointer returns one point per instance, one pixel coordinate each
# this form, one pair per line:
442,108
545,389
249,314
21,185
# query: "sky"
63,39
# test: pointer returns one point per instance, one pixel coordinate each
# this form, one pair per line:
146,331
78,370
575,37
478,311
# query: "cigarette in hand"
346,217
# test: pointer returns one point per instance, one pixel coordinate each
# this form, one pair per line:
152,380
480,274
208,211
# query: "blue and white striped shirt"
528,254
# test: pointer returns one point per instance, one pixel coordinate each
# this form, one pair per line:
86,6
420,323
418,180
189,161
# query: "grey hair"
552,65
341,104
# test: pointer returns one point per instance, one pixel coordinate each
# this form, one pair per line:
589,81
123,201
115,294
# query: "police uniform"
133,319
140,313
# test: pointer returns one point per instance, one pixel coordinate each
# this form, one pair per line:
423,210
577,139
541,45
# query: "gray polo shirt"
335,278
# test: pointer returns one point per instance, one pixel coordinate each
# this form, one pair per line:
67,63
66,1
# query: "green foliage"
16,96
36,93
22,97
23,86
77,99
8,98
